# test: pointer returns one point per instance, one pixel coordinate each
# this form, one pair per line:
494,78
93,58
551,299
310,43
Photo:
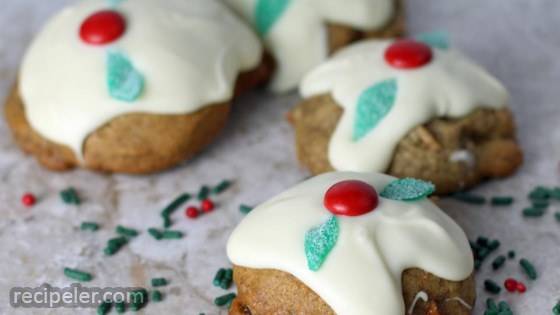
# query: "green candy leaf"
408,189
373,104
438,40
267,12
319,242
124,82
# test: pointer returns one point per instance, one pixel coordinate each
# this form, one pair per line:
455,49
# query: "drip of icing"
449,86
460,301
419,296
297,37
190,52
363,270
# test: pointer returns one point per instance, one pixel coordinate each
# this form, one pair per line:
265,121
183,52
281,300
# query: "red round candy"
191,212
521,288
102,27
351,198
28,200
207,205
510,285
408,54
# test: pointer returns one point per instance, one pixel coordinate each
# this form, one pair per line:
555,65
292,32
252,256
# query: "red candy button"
408,54
102,27
510,285
351,198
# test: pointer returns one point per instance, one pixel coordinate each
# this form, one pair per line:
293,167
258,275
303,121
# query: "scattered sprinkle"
70,196
224,299
78,275
126,231
155,233
157,296
556,309
533,212
540,203
139,299
89,226
218,277
492,287
226,281
221,187
104,308
469,198
511,254
246,209
501,201
191,212
528,268
203,193
502,308
557,216
207,205
169,235
120,307
114,245
172,207
498,262
28,200
159,282
510,285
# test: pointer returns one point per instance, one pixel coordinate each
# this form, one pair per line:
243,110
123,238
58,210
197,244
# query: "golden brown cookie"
273,292
133,143
483,144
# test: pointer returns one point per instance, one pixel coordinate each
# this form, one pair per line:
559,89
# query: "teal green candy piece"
125,83
408,189
114,3
438,40
267,13
373,104
319,242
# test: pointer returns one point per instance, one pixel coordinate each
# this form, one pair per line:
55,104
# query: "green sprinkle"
221,187
492,287
493,245
491,305
169,234
104,308
120,307
155,233
498,262
528,268
159,282
407,189
511,254
501,201
203,193
557,216
469,198
539,193
555,193
139,299
556,309
477,264
126,231
78,275
482,241
540,203
89,226
532,212
70,196
245,209
218,277
226,281
157,296
114,245
224,299
174,205
167,222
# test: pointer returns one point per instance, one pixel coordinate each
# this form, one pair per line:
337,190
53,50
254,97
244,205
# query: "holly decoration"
408,54
407,189
267,13
351,198
439,40
319,241
373,105
124,82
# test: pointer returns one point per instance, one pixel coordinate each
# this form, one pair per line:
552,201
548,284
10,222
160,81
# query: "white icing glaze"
362,274
449,86
298,39
463,156
460,301
189,51
420,296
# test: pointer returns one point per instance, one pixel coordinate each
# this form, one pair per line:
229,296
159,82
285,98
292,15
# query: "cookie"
132,86
327,246
301,34
442,119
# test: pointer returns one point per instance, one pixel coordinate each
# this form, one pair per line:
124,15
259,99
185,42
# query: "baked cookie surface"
302,34
327,246
137,99
445,121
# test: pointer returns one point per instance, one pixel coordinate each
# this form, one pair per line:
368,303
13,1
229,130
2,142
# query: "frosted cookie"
352,244
410,108
300,34
132,86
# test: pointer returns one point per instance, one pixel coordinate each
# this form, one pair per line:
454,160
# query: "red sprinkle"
351,198
511,285
103,27
191,212
408,54
521,288
28,200
207,205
